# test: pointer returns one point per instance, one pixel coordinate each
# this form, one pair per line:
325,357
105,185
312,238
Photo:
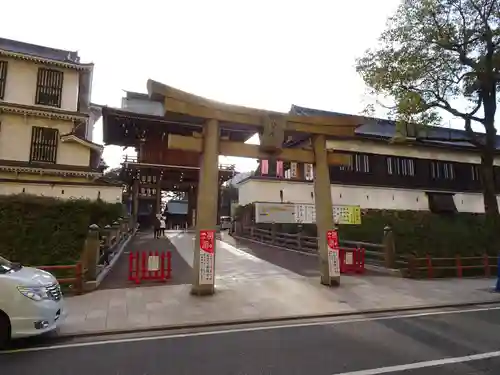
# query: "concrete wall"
111,194
15,140
21,84
366,197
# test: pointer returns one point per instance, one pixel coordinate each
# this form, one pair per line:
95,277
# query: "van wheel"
4,330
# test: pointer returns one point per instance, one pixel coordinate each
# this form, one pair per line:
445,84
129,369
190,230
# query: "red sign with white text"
207,238
332,238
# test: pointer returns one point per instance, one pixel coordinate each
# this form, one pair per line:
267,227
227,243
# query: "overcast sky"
260,53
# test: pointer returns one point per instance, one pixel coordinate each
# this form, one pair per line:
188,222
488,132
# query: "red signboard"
333,239
207,238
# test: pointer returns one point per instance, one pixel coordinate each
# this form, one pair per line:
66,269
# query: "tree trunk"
488,184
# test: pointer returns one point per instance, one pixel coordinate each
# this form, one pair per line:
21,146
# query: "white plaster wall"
408,151
111,194
15,140
366,197
21,84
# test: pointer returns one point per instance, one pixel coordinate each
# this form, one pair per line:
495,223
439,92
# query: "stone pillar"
324,209
206,212
389,248
90,256
135,200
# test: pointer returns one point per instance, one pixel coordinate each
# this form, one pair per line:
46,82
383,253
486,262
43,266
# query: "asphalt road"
356,346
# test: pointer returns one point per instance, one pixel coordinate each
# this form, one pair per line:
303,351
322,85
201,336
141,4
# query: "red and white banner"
332,239
264,167
207,256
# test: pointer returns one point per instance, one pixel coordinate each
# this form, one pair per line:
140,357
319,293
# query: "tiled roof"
382,128
39,51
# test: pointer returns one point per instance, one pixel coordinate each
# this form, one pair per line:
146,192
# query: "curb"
291,318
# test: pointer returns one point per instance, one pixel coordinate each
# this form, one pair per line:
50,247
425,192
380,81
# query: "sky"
262,53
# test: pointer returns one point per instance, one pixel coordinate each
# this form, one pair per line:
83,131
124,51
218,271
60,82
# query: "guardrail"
76,281
374,253
458,266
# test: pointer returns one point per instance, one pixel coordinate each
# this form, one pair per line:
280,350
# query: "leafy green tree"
442,55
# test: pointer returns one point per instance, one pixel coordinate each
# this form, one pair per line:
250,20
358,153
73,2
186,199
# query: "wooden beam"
244,150
178,101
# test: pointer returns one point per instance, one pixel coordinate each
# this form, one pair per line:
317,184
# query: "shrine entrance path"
302,264
232,264
145,241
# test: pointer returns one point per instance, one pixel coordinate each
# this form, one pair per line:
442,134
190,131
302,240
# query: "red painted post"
459,265
363,254
144,268
429,267
487,270
162,266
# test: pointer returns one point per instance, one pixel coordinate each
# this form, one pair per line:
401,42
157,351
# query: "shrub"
418,232
48,231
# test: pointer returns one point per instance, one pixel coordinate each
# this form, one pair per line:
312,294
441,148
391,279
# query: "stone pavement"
249,288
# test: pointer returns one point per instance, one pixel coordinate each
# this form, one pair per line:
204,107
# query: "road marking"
425,364
247,329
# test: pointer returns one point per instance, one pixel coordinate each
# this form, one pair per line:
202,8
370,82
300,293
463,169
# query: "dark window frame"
400,166
44,145
49,87
4,65
475,172
360,163
442,170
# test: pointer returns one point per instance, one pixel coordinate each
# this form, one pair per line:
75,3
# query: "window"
359,163
400,166
49,87
442,171
475,175
441,203
3,78
44,145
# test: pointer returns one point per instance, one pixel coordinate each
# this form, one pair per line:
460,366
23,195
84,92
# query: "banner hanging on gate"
332,239
207,256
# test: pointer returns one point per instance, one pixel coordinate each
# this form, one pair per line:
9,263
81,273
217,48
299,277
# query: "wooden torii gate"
273,127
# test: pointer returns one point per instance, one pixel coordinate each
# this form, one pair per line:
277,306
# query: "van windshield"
5,265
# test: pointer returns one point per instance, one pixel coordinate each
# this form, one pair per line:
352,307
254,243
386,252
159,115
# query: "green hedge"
421,232
416,232
48,231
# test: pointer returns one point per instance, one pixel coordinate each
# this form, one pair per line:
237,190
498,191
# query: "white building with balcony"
46,123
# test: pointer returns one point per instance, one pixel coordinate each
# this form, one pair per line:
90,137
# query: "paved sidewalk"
249,288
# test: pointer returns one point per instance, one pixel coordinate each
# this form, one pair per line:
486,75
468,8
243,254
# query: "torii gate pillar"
206,208
324,209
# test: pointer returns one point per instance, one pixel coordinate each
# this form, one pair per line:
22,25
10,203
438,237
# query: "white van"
31,301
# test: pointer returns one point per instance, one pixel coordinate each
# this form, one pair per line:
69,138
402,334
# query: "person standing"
163,225
156,225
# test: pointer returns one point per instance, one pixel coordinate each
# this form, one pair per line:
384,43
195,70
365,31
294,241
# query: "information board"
332,239
303,213
207,256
